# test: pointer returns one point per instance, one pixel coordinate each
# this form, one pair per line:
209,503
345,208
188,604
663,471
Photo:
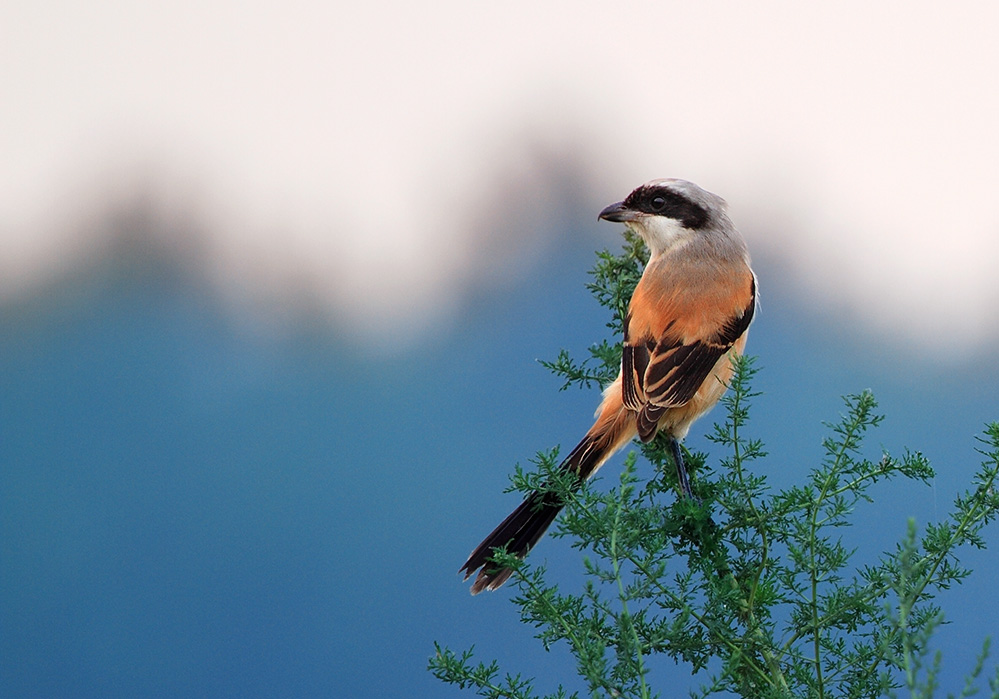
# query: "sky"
366,151
274,280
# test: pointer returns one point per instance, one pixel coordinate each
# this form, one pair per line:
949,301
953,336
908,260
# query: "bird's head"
669,212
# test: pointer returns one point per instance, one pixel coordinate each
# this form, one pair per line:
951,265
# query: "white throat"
661,233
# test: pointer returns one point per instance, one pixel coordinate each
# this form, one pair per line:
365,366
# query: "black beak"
618,213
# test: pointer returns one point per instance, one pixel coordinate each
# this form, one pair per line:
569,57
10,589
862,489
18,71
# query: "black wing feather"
675,371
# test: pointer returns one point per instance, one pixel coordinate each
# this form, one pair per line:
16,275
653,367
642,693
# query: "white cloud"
338,142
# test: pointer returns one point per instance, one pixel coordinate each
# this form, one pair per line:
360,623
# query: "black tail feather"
525,526
519,532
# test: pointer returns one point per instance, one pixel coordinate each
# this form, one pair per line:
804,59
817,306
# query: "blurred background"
274,279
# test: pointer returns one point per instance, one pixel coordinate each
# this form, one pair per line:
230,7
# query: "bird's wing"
665,372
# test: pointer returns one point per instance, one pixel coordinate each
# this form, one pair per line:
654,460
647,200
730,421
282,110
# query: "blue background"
192,504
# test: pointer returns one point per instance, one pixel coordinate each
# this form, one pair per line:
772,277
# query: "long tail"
520,531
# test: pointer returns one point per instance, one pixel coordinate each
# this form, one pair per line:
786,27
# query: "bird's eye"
658,203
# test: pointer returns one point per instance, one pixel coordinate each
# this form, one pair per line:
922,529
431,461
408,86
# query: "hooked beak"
618,213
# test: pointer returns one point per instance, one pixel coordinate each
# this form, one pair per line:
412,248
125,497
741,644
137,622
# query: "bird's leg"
681,471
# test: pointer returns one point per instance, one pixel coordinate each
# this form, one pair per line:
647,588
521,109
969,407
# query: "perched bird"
687,318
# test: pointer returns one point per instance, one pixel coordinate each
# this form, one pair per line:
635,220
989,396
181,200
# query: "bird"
687,320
